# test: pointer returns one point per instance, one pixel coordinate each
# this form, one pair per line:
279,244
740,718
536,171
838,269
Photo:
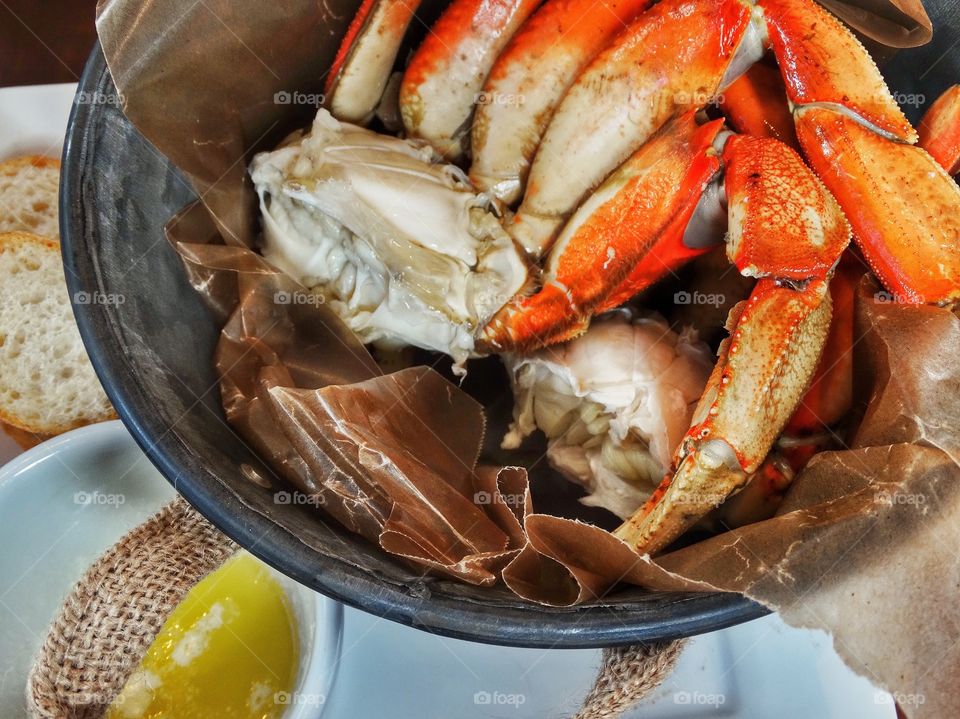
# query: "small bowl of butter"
245,643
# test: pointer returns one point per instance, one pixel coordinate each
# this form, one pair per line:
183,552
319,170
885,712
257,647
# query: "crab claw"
940,130
672,58
764,368
627,229
366,56
903,206
638,227
529,79
445,75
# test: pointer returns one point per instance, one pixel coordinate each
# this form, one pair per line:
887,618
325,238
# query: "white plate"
65,502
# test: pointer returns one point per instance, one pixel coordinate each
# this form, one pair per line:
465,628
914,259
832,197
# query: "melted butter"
229,649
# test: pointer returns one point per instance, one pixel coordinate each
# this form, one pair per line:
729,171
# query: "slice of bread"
47,384
29,188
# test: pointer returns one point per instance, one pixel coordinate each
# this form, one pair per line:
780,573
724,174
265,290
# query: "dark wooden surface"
44,41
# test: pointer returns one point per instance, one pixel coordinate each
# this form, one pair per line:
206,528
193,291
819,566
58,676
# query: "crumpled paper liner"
392,456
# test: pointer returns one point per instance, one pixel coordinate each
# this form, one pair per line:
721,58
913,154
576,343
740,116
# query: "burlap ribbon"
115,611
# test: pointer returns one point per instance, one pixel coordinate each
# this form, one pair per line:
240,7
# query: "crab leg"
673,57
620,231
366,56
756,104
635,229
445,75
529,79
904,207
764,368
940,130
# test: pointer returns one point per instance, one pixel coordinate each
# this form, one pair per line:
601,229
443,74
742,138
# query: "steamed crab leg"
366,56
444,78
764,367
673,57
784,228
627,227
636,229
940,130
530,78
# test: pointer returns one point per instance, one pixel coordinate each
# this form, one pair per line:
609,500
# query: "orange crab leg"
360,71
823,63
830,396
530,78
904,207
776,340
445,75
940,130
672,58
756,104
618,229
632,231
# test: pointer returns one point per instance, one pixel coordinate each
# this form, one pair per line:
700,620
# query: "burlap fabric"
115,611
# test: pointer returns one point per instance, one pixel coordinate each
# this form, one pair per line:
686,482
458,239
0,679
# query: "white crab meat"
399,246
614,404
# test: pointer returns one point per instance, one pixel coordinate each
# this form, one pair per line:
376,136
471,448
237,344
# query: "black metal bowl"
153,354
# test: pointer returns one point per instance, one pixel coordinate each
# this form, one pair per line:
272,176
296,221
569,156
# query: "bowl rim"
523,624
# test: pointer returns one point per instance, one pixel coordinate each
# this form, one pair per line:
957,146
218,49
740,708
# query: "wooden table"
44,41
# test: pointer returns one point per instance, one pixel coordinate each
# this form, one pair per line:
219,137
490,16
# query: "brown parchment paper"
865,546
